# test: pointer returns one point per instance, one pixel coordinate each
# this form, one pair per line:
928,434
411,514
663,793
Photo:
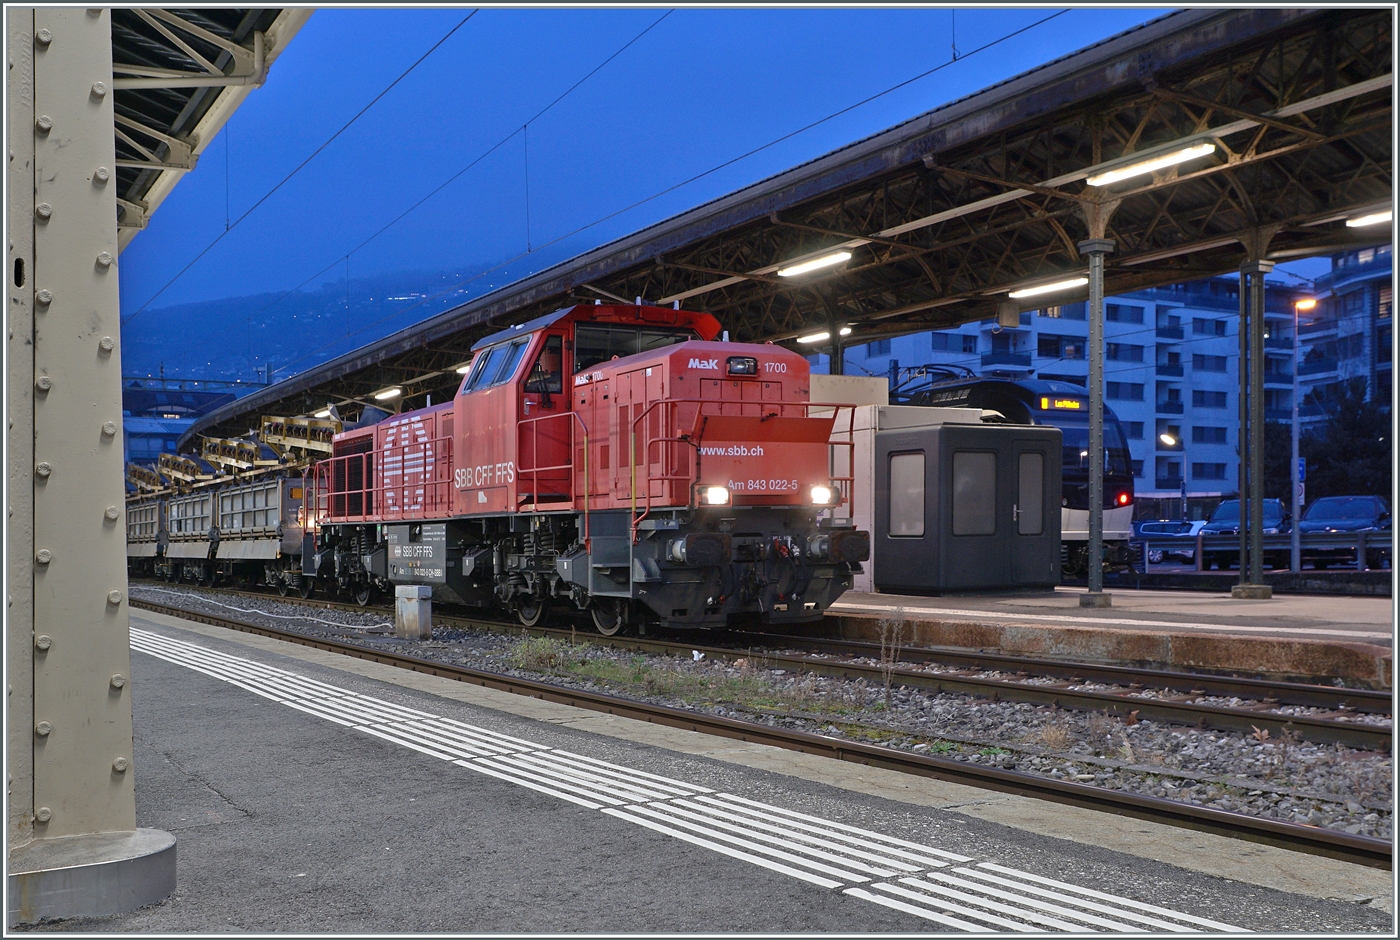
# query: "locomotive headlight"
716,496
742,365
821,495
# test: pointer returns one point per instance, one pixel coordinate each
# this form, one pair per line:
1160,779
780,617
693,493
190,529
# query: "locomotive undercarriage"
707,568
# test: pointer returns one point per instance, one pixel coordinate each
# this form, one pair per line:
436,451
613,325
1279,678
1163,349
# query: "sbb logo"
705,364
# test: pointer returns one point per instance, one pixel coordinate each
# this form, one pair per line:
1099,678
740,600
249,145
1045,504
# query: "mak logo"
705,364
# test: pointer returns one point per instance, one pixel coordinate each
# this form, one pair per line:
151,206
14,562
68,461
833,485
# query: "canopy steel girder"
946,213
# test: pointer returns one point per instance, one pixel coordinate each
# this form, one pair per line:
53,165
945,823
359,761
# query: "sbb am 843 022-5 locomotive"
614,458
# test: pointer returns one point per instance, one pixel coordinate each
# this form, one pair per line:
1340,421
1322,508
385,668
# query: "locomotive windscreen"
595,343
1076,449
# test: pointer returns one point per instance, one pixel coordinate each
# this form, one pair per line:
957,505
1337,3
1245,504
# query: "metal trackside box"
964,507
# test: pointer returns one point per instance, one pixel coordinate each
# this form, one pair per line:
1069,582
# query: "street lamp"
1295,555
1171,440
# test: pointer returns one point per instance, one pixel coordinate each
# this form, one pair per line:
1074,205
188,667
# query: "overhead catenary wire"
300,166
686,182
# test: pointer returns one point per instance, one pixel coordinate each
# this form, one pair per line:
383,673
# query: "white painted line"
317,713
547,760
960,909
504,766
847,607
504,740
1029,902
472,765
925,913
1119,907
639,774
837,842
708,832
411,745
725,850
529,762
788,844
433,732
923,854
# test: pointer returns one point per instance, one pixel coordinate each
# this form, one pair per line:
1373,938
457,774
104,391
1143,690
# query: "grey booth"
966,507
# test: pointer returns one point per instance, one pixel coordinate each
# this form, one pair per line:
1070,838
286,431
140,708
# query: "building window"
1200,363
879,347
1365,255
1124,391
1354,302
1124,352
1350,346
1383,310
1122,313
940,341
1207,471
1052,312
1137,468
1053,346
1077,311
1205,434
1134,429
1204,399
1202,326
969,344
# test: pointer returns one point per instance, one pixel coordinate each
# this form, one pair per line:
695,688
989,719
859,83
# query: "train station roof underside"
946,214
178,76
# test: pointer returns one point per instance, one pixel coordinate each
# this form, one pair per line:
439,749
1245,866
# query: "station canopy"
1288,113
178,75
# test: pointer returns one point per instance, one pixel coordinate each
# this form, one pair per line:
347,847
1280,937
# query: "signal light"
1123,499
716,496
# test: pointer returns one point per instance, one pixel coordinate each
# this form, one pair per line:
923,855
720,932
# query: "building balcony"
1278,414
1279,342
1170,369
1169,483
1021,359
1321,326
1278,378
1318,367
1171,408
1171,332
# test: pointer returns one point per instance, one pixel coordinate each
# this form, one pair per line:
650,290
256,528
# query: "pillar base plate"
1252,592
90,875
1098,599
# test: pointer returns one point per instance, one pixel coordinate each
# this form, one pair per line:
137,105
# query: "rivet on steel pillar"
1095,248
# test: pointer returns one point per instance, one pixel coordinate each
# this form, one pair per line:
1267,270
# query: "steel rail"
1357,849
1118,704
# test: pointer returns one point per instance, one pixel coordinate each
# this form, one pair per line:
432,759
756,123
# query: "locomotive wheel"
282,587
364,593
531,611
307,587
608,615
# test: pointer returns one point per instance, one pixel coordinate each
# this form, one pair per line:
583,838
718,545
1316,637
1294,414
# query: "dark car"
1226,521
1344,514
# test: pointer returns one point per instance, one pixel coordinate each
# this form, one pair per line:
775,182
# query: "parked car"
1226,521
1157,529
1332,514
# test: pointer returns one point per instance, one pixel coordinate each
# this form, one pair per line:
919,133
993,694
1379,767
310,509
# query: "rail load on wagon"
612,458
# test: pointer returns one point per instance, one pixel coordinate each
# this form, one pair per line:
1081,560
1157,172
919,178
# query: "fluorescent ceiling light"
388,393
822,337
462,369
323,413
1048,288
1375,218
825,261
1152,164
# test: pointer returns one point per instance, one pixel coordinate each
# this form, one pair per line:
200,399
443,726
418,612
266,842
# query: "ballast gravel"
1329,786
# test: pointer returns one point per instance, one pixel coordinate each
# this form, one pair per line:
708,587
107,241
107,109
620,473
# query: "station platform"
314,792
1294,636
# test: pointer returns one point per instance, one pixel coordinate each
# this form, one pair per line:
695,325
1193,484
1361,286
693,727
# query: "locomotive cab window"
495,365
547,374
595,343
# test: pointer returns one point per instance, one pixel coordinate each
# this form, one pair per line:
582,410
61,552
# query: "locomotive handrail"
535,449
845,485
435,482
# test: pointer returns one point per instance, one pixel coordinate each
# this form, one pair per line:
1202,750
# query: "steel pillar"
74,848
1252,584
1095,248
1295,553
1243,440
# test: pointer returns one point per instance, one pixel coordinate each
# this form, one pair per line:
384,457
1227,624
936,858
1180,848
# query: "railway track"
1127,702
1352,848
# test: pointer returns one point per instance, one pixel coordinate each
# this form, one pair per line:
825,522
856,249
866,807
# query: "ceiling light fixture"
1375,218
462,369
1152,164
825,261
323,413
388,393
822,337
1048,288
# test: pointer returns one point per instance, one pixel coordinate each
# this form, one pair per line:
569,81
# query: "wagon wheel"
307,587
208,577
282,587
364,593
609,615
530,610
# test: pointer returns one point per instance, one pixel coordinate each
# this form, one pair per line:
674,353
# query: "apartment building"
1348,335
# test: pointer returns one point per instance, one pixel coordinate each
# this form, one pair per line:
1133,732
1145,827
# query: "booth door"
1035,536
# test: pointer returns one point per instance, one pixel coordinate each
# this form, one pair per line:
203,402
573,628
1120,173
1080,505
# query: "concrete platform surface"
311,792
1295,636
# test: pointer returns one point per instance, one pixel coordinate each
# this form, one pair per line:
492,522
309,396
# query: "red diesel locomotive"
613,457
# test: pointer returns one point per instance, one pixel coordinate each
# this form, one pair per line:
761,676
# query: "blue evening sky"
699,89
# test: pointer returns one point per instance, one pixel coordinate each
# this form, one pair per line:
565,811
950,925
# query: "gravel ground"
1333,787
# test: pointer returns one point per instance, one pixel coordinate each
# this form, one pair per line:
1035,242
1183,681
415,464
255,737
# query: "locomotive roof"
706,326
